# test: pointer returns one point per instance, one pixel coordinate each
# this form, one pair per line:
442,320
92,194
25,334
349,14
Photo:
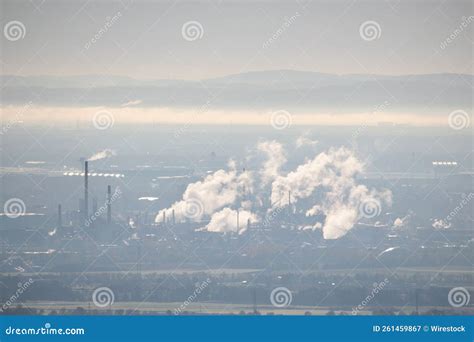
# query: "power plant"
135,225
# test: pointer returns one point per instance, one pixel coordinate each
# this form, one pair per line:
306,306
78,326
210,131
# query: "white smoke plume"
305,140
440,224
332,175
328,181
107,153
275,154
203,198
398,223
131,103
401,222
332,169
226,221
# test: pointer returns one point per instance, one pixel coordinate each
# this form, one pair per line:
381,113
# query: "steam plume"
275,159
226,221
331,174
218,190
304,140
107,153
328,181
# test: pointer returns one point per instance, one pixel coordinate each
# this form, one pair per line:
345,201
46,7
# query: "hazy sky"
145,39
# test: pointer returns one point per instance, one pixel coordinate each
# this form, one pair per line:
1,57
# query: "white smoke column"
275,154
107,153
333,174
342,208
226,221
218,190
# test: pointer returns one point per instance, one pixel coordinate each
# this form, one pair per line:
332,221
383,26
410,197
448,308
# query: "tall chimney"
174,219
289,203
109,204
237,219
164,217
60,216
86,190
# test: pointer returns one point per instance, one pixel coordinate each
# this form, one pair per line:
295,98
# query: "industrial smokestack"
238,220
86,190
174,219
164,217
60,216
289,203
109,204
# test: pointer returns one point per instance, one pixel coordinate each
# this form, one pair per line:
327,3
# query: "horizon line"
237,74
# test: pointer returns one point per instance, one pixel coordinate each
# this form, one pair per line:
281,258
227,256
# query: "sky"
203,40
145,40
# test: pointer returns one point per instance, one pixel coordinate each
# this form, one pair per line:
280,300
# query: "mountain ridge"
250,77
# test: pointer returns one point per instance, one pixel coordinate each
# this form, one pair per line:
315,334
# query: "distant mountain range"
261,89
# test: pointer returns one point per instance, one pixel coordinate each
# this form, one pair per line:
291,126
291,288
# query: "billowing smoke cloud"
331,178
275,159
328,181
331,170
226,221
203,198
107,153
